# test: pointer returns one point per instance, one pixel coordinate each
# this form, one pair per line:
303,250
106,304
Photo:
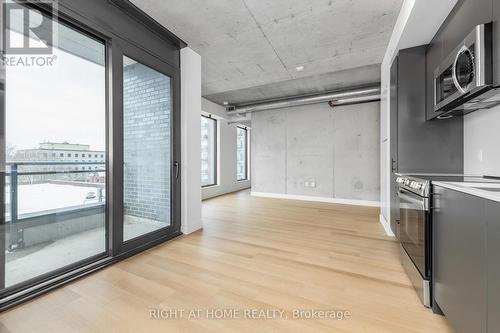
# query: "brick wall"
146,143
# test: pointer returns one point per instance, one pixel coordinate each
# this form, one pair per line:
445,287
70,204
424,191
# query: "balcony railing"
16,232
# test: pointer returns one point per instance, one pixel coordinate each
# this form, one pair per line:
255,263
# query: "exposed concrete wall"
317,151
226,159
357,152
269,151
310,146
481,142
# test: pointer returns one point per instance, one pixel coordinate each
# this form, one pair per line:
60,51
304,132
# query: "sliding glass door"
151,173
55,153
89,146
147,107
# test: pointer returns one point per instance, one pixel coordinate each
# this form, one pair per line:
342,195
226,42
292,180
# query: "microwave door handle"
422,203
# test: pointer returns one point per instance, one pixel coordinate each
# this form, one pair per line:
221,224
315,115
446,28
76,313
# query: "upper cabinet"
462,20
433,58
464,17
496,40
441,143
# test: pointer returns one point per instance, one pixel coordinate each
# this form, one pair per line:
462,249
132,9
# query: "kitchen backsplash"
482,142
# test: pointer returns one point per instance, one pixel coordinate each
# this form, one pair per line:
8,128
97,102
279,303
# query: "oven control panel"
415,185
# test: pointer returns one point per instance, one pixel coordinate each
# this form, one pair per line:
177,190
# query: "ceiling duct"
345,97
354,100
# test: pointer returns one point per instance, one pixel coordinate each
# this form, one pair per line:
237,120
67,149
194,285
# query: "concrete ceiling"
250,48
315,84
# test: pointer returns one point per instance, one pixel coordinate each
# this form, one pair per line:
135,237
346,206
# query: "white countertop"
478,189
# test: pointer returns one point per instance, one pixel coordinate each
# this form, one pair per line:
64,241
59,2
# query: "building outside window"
242,153
208,151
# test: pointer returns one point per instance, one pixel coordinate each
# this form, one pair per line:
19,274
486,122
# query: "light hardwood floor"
253,253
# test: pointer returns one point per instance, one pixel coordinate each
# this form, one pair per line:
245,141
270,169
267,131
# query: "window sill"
210,186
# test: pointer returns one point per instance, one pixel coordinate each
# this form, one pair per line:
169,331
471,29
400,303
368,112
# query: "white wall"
482,142
226,180
190,141
335,149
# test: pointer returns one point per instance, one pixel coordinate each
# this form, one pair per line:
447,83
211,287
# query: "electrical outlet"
312,184
306,184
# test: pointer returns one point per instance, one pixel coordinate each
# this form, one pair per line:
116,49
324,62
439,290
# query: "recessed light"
299,68
225,103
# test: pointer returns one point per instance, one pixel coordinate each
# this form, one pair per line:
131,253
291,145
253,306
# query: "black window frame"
246,154
216,151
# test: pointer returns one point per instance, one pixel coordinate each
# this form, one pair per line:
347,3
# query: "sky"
65,102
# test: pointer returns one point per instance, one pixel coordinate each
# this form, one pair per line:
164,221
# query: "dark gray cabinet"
418,145
493,265
464,17
423,146
459,259
434,56
466,262
496,41
394,146
462,20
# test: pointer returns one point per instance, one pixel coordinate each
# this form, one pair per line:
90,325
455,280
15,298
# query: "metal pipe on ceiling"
337,98
239,121
354,100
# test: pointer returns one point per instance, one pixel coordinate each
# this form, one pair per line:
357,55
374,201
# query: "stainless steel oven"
414,215
414,234
415,228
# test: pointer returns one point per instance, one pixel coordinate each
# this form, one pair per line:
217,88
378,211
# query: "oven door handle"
423,203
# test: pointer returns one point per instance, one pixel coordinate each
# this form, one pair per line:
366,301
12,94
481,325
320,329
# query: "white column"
190,151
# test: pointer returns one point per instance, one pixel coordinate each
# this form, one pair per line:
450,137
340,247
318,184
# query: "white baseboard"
386,225
317,199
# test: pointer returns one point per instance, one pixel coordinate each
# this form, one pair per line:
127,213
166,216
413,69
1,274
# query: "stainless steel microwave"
463,81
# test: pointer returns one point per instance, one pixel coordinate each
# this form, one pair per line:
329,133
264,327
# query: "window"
208,151
241,153
64,103
147,110
55,226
